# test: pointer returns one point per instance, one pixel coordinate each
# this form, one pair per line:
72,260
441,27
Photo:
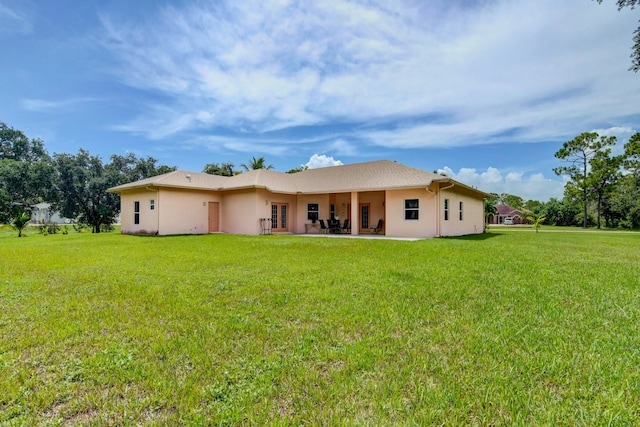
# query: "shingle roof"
178,179
363,176
507,210
366,176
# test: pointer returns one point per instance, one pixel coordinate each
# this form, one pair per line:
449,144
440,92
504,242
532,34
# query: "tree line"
75,184
602,187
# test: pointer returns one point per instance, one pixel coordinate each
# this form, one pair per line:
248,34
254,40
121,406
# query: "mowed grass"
504,328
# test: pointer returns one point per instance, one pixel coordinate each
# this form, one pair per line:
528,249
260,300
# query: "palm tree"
256,164
537,220
20,222
490,209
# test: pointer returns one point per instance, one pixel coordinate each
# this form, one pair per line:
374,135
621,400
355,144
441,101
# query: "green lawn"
505,328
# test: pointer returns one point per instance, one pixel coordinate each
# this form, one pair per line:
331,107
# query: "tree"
27,174
619,203
533,205
84,181
255,164
15,145
83,187
632,155
537,220
511,200
133,169
226,169
298,169
635,55
578,153
605,172
560,212
490,209
20,222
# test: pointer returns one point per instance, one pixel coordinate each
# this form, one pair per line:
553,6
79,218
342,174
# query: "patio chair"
377,227
323,227
345,227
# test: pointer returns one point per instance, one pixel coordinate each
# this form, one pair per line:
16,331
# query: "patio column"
355,211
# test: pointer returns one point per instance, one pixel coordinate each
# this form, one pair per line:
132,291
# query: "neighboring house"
410,202
512,215
42,214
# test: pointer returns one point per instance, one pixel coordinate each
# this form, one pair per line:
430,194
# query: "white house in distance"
42,214
405,201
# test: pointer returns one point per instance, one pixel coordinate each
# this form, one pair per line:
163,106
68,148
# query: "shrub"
106,228
49,228
81,227
20,223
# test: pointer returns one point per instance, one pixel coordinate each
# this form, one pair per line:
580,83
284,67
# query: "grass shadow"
473,237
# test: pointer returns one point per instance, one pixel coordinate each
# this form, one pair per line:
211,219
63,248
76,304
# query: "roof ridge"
364,176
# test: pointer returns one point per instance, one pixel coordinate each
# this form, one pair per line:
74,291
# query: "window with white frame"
312,211
460,211
332,211
411,209
136,212
446,209
152,204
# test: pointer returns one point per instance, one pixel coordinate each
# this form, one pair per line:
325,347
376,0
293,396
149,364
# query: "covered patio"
364,213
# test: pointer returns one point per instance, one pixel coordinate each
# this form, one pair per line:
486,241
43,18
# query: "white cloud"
13,20
343,147
622,134
322,161
531,187
44,106
501,71
617,131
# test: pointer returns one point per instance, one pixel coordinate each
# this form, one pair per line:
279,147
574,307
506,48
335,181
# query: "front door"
365,209
213,217
279,217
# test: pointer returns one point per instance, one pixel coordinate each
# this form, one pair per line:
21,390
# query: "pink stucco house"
512,215
410,202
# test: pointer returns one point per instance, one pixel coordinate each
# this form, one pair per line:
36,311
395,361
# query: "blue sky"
485,90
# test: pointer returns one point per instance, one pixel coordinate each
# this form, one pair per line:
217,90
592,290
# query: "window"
312,211
136,212
332,211
411,209
152,204
460,211
446,209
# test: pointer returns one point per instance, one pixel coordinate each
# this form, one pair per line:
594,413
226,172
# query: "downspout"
435,193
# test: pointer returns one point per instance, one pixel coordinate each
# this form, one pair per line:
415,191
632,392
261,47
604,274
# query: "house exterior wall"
176,211
148,223
472,214
184,211
376,201
342,201
302,204
264,208
398,226
241,212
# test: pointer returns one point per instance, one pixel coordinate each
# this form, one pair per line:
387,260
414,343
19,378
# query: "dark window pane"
411,214
283,217
411,204
136,212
